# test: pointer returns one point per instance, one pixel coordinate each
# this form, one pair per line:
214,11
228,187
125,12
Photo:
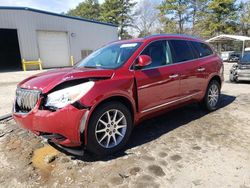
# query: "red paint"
144,60
150,91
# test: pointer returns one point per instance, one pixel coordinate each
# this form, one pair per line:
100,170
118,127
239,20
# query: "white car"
226,55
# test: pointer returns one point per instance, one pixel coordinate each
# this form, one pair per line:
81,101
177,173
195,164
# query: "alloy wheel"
111,128
213,95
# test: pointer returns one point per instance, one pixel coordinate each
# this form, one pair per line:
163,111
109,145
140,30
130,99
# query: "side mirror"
144,60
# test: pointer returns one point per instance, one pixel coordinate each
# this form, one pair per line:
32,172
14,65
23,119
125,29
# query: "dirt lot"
183,148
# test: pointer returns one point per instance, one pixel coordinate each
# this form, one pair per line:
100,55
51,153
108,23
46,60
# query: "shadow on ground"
238,82
152,129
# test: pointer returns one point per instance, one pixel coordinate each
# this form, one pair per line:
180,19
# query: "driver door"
158,84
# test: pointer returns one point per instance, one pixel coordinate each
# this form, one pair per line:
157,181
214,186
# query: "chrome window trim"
188,61
171,102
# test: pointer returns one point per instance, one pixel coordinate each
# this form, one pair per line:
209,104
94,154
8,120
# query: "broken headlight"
63,97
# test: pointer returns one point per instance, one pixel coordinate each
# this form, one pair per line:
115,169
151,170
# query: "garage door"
53,49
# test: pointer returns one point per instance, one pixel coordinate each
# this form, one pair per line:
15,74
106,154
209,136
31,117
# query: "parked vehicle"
234,57
241,70
225,56
97,103
230,56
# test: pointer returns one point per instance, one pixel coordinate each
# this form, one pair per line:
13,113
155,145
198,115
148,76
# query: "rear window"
202,49
246,58
181,51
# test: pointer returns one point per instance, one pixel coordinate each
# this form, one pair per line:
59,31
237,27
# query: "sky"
57,6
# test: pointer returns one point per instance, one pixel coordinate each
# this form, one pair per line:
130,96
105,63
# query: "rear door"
157,84
184,55
205,63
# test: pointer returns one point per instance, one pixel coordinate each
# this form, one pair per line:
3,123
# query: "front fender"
105,90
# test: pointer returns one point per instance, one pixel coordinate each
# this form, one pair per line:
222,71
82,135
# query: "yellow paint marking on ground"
41,156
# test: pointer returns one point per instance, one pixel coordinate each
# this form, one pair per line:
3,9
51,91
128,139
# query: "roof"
222,38
56,14
159,37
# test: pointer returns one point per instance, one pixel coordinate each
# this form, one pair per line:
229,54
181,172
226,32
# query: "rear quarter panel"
214,67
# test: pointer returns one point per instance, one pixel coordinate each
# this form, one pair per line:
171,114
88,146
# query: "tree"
168,25
245,18
176,11
146,20
118,12
89,9
219,17
197,9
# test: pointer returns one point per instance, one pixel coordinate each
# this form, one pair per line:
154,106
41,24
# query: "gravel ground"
183,148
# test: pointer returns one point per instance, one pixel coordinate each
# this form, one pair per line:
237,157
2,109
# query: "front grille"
243,67
26,100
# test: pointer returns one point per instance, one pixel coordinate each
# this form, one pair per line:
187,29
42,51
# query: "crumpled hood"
48,80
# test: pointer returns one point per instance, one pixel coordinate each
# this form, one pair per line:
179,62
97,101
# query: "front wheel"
212,97
109,128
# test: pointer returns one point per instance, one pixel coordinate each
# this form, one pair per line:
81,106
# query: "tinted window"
246,58
181,51
202,49
159,52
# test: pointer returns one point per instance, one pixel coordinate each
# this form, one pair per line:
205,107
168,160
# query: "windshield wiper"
91,67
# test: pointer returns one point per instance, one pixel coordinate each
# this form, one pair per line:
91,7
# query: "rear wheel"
109,128
212,97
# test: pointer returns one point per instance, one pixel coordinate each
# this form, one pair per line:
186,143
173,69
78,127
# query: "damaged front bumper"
63,126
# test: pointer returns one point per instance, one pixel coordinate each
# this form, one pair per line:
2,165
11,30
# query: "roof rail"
170,35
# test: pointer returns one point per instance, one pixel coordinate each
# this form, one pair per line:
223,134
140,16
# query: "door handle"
201,69
174,76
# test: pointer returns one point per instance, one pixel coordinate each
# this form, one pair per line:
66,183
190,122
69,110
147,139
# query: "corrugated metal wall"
86,35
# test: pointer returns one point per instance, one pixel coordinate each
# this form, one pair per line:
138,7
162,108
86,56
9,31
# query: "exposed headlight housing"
62,98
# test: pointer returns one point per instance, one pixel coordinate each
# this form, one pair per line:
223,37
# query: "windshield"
246,58
110,57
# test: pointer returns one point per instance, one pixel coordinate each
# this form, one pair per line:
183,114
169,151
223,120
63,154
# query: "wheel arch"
203,103
122,99
210,79
217,78
119,98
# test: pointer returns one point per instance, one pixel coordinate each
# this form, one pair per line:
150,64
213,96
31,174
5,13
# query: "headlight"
61,98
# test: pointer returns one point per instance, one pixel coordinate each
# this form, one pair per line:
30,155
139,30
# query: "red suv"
97,103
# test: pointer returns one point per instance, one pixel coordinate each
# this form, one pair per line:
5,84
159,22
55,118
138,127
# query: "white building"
30,34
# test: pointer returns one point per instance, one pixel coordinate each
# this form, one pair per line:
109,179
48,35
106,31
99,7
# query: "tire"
103,132
208,103
236,79
231,77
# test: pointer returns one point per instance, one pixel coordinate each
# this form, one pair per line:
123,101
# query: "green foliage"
176,11
117,12
169,25
197,9
89,9
245,18
220,17
205,18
